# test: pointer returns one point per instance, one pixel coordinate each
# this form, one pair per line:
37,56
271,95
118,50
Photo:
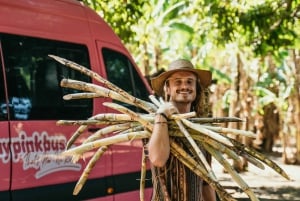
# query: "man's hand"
167,109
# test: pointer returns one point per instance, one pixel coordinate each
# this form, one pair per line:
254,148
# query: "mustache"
184,90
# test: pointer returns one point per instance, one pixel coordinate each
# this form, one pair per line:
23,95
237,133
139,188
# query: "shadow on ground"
266,184
269,194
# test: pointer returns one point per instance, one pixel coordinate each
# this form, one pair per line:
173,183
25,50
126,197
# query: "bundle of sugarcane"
127,125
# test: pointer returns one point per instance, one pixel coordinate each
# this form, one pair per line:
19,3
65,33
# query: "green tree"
120,15
234,39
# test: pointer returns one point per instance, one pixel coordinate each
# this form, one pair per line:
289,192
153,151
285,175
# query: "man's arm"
208,193
159,144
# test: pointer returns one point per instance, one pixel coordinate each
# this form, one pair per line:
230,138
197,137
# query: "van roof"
67,20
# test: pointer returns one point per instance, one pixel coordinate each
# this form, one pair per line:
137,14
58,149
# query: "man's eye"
177,82
191,82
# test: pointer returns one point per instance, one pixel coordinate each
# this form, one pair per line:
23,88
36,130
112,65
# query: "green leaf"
182,27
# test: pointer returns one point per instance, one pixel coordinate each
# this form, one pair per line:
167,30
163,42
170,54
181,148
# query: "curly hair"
201,105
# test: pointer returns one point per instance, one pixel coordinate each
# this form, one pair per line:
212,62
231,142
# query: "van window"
122,73
3,106
33,78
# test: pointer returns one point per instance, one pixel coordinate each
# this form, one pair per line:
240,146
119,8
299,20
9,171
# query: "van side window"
3,105
33,78
122,73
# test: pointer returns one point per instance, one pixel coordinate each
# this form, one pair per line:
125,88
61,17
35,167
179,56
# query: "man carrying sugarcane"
184,90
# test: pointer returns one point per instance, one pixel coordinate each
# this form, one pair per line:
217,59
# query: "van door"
126,156
35,105
5,156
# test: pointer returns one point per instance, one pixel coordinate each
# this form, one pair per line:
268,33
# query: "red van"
31,102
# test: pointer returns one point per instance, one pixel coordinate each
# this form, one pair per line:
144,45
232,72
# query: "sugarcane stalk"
75,135
203,139
235,176
85,95
261,157
215,119
133,129
198,169
133,115
125,117
183,116
143,174
154,100
113,117
106,130
231,152
122,117
207,132
84,176
99,90
196,148
99,119
143,104
79,150
83,122
230,131
252,160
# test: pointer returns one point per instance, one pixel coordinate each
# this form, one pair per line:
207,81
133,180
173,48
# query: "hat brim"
158,82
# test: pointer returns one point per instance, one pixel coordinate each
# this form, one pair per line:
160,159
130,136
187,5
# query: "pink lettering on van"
39,151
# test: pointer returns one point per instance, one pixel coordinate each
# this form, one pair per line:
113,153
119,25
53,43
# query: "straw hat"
180,65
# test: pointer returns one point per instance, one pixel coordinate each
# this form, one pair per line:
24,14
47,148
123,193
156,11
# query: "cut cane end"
75,158
56,58
67,97
51,55
77,189
287,176
60,122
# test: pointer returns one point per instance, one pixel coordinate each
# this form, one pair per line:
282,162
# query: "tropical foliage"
252,47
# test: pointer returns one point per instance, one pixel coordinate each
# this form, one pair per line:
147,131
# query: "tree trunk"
240,108
271,127
297,103
146,60
271,117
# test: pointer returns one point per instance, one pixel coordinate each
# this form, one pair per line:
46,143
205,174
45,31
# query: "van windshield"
33,78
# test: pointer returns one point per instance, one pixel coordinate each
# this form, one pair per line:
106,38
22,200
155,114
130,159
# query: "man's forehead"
182,74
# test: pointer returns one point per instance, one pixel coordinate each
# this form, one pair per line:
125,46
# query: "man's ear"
167,90
166,93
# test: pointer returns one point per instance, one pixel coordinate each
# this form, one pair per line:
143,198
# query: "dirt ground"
266,184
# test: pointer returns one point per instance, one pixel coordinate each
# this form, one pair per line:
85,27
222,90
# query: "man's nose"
185,84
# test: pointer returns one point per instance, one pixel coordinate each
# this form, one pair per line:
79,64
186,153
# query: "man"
182,87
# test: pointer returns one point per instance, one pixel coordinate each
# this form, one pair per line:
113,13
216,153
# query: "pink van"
31,102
